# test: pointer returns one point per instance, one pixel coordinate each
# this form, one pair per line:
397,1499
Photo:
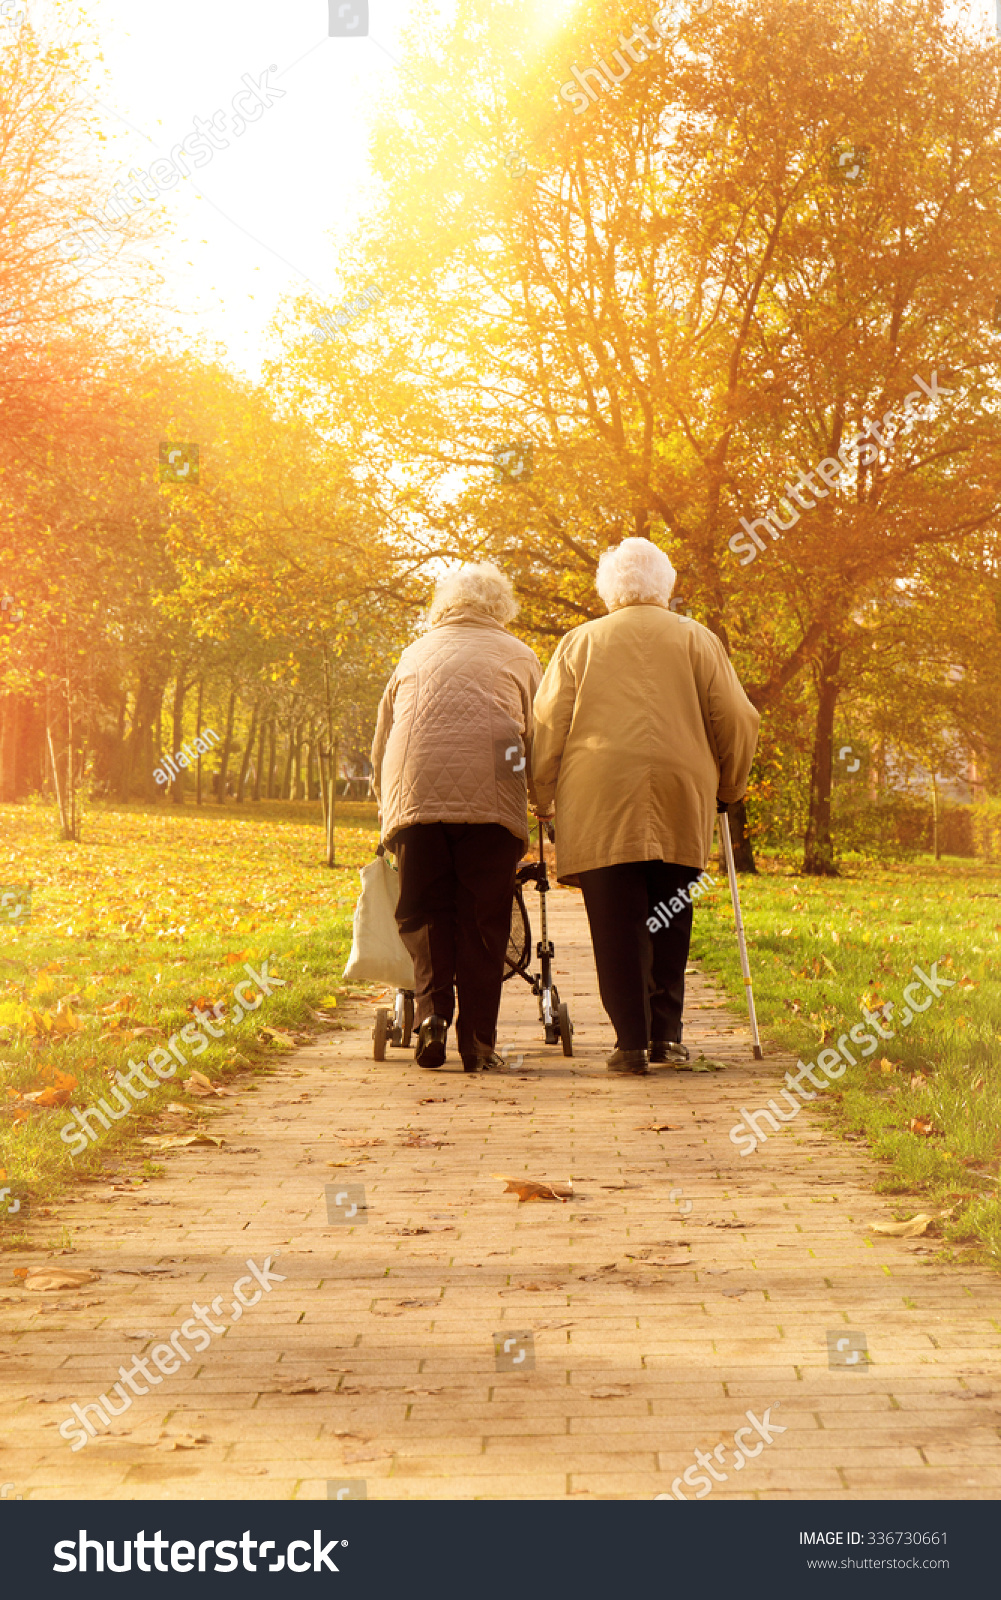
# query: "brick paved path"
373,1361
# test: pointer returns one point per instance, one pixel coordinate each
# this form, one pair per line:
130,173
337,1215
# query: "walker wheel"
380,1033
408,1020
566,1029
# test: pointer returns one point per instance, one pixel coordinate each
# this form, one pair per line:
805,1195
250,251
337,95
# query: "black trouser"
641,975
454,915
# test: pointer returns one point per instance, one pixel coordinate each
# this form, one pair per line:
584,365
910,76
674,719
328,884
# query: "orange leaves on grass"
56,1093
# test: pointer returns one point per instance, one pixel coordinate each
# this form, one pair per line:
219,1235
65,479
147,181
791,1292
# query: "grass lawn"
928,1099
156,911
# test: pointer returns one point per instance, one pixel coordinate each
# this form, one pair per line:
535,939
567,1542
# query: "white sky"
264,216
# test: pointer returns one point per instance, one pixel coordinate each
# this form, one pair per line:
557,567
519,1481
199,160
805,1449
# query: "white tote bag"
378,954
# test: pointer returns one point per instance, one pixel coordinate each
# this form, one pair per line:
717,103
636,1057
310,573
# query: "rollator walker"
396,1027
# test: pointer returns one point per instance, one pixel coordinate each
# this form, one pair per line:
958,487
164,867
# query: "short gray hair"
480,586
635,573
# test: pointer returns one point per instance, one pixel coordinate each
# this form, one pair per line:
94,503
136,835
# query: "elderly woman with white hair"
451,771
641,729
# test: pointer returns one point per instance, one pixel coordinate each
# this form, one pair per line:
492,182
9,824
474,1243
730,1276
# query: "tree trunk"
198,740
740,838
177,784
818,853
286,788
227,746
297,792
260,759
310,760
55,783
272,756
241,781
322,759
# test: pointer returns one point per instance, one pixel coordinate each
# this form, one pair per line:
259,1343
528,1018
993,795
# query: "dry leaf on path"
535,1189
904,1230
174,1141
924,1126
45,1280
681,1257
184,1441
199,1084
656,1127
354,1143
610,1392
287,1040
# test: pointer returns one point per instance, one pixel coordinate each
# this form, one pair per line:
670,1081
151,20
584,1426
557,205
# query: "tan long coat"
640,722
454,733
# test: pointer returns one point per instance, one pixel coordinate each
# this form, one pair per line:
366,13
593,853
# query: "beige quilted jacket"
453,741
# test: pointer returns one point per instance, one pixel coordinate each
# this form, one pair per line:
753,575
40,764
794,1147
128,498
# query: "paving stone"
409,1396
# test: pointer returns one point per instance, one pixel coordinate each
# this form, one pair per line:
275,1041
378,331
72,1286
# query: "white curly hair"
480,586
635,573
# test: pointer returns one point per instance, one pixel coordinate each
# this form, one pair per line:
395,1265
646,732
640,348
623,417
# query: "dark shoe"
429,1050
634,1061
662,1050
485,1059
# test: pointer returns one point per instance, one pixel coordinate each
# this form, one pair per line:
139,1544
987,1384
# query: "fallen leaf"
279,1035
677,1258
924,1126
177,1113
184,1441
886,1065
173,1141
58,1092
45,1280
199,1084
609,1392
656,1127
355,1143
904,1230
535,1189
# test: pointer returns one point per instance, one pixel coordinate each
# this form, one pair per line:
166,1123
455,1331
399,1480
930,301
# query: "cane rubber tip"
759,1054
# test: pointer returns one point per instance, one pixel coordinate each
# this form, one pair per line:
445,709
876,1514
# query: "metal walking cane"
723,819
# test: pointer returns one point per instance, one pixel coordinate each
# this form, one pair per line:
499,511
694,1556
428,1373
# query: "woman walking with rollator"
451,771
641,726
